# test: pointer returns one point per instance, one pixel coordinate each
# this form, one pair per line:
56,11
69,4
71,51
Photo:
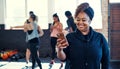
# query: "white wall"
2,11
114,1
51,9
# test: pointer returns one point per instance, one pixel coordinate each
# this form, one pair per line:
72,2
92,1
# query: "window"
64,5
17,11
40,8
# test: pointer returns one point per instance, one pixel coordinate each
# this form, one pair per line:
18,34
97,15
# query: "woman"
33,40
28,46
32,37
85,48
55,29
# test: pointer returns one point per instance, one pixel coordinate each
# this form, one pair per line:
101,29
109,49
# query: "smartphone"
61,36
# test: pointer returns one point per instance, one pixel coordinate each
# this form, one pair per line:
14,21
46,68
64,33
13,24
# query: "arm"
69,26
60,29
105,54
41,31
22,26
60,54
61,44
71,30
18,27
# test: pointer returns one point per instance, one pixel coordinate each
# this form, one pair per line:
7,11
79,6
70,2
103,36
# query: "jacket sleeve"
105,54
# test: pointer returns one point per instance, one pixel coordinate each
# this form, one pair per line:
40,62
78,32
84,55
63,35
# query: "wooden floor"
45,64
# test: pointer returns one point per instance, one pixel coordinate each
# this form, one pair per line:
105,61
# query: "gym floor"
20,64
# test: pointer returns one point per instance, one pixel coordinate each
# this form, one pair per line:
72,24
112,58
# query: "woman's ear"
89,21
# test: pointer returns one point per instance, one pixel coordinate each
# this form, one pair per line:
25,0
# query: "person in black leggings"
34,46
56,28
53,45
32,35
33,32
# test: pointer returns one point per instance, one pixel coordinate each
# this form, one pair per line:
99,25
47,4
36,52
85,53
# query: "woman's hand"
62,41
61,44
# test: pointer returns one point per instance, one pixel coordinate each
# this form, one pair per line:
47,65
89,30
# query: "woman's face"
55,19
82,21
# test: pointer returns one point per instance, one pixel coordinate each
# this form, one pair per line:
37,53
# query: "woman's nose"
79,22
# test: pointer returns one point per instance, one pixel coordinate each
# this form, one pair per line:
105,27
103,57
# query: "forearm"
41,33
18,27
25,30
60,54
71,29
105,61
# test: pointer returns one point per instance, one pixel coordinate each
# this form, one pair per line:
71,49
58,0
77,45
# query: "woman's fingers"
65,44
62,43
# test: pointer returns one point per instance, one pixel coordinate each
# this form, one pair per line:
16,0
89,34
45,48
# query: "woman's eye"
83,20
78,19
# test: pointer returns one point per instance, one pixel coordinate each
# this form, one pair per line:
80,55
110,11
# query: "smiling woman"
89,50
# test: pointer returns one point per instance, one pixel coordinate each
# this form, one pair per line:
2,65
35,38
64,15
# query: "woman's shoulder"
98,34
71,34
60,23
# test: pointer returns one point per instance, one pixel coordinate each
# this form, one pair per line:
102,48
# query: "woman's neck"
31,21
56,21
85,32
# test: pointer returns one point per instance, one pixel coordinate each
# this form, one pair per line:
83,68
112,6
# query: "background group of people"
82,47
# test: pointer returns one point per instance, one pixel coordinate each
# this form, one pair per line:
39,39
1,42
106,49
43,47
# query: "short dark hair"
68,13
31,12
33,17
55,15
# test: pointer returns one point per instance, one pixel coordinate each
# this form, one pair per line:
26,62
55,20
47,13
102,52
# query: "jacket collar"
88,37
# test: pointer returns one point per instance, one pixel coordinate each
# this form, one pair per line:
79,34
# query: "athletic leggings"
53,45
35,58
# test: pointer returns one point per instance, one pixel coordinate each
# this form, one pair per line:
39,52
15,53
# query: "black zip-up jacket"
87,52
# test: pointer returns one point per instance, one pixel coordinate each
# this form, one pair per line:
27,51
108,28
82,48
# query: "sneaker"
36,65
61,65
51,64
27,64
